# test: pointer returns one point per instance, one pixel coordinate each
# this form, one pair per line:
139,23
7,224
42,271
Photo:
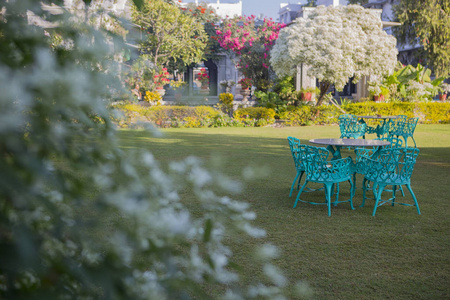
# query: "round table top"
378,117
350,142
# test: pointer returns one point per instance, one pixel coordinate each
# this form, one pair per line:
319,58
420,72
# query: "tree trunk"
323,86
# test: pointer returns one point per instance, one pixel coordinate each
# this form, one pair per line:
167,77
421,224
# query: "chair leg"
414,197
380,189
293,183
415,145
354,185
328,188
300,192
364,192
394,189
352,188
401,190
300,179
337,193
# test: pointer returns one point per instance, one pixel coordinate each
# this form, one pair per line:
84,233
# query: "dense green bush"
256,113
205,116
433,113
169,116
428,113
307,115
385,109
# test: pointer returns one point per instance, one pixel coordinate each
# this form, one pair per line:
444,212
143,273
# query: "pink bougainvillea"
251,40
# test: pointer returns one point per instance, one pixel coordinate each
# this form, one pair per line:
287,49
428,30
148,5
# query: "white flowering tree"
336,43
80,219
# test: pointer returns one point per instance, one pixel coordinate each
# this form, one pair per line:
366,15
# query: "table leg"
335,152
364,122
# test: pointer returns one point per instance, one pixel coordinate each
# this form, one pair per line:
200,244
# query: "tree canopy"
169,33
426,22
335,43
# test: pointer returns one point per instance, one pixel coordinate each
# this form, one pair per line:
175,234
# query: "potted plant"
246,84
203,77
306,93
445,88
378,91
227,85
160,80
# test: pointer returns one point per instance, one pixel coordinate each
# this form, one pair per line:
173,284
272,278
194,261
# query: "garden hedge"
206,116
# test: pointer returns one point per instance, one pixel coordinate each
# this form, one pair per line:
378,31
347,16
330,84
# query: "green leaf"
208,230
138,3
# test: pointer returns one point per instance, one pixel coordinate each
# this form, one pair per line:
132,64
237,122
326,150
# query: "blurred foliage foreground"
78,218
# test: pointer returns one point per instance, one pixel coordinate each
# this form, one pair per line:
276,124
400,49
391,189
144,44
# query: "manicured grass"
397,254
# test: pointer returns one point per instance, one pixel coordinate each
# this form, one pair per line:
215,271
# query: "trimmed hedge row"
206,116
255,113
428,113
194,116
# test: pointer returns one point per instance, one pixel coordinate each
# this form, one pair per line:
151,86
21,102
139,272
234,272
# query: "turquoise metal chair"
391,126
362,154
329,173
405,129
393,167
295,146
350,127
368,152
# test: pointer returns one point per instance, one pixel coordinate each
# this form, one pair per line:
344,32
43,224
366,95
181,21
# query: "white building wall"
331,2
288,12
223,10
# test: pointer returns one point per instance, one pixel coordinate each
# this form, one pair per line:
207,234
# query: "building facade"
223,10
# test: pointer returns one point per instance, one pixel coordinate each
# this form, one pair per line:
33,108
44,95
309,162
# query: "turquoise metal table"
335,145
381,129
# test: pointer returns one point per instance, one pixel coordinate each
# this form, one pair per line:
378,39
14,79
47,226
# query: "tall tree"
311,3
427,22
170,33
336,43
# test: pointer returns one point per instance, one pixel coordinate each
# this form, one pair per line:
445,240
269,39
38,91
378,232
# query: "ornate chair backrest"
350,127
296,148
392,165
318,168
394,125
395,142
408,127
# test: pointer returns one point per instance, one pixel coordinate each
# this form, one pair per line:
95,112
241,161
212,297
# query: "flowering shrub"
336,43
225,102
162,78
203,77
251,44
154,98
245,83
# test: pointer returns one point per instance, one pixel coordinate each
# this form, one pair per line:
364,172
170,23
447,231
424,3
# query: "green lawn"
397,254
